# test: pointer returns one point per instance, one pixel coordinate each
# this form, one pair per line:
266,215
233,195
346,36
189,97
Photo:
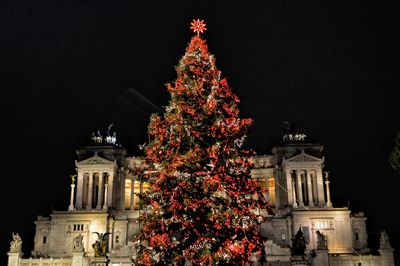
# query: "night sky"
69,68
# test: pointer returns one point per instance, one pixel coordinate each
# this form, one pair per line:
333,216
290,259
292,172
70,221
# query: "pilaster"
110,229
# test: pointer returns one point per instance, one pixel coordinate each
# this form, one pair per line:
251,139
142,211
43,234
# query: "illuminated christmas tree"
202,200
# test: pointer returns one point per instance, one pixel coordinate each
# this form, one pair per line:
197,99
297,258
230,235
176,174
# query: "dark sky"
69,68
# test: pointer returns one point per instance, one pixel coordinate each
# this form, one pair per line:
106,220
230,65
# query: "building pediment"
304,157
95,160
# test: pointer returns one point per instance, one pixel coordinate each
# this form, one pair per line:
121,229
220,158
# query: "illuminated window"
127,193
271,191
135,193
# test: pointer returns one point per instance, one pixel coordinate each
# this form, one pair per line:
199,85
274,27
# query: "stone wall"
43,262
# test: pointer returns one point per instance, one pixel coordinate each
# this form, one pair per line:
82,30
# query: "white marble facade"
104,199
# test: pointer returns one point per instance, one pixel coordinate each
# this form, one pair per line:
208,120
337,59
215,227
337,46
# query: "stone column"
111,237
289,187
328,192
100,193
295,205
122,176
105,206
320,187
299,190
90,192
314,186
310,189
79,190
110,188
71,200
132,203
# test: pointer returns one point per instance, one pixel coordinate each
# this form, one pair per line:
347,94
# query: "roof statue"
72,178
111,139
108,139
97,138
293,134
384,240
16,243
100,246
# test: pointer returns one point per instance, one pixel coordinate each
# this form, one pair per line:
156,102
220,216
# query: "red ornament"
198,26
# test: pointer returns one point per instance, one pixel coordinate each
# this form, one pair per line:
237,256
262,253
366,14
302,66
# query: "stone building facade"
104,199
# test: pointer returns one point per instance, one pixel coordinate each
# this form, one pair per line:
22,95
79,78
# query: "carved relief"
95,161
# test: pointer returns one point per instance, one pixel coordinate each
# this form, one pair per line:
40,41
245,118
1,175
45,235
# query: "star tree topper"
198,26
